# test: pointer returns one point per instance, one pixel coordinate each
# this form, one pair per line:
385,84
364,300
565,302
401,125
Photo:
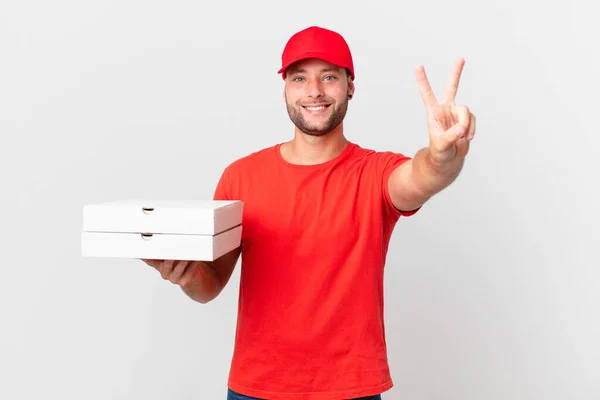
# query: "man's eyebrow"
303,71
296,71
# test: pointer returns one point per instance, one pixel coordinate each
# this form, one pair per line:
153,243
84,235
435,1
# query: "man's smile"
316,108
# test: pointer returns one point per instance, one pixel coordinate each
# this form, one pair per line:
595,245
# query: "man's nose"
315,88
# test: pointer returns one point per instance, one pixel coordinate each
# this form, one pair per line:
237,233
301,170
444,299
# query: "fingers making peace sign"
451,126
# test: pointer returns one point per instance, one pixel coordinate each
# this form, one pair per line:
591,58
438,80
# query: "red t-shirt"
314,243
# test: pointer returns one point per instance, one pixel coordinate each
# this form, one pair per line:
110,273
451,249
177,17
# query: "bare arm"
416,181
451,130
210,278
202,281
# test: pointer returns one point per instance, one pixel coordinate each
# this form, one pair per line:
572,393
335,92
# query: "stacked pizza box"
162,229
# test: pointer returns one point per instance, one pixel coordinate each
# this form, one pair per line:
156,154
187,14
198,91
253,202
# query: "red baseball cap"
317,42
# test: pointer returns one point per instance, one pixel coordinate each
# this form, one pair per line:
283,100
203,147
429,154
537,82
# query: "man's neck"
310,150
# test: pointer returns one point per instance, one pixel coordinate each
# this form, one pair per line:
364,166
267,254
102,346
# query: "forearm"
205,284
430,176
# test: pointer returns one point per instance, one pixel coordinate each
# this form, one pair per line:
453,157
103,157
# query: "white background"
491,290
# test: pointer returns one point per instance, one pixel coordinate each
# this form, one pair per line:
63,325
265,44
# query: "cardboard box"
166,230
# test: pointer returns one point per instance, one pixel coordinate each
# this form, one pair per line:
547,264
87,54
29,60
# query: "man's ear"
351,88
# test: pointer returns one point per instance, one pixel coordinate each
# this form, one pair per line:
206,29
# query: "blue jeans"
231,395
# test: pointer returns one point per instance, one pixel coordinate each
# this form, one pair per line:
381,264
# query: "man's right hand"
200,280
178,272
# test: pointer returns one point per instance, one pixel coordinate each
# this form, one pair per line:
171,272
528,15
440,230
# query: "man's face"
316,94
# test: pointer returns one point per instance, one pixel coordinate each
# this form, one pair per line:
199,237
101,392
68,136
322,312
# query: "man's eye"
329,77
298,79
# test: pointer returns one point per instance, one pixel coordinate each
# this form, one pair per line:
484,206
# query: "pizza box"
166,230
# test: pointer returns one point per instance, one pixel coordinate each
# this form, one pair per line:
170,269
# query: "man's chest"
318,209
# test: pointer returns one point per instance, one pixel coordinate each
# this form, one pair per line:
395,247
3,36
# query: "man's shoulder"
252,160
367,154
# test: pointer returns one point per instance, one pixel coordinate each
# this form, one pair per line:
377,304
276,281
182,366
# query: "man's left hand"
451,126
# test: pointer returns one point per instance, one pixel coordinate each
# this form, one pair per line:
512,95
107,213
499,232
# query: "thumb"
448,138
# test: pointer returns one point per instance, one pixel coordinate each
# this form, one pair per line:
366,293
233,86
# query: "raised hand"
451,126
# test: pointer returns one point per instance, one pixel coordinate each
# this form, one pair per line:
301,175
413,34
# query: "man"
318,215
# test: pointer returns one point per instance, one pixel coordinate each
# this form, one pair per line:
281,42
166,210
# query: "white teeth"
315,108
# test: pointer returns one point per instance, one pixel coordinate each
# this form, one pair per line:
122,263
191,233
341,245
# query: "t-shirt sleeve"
389,162
223,188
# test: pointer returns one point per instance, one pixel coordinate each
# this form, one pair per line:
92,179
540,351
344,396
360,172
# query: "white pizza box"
160,246
191,217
